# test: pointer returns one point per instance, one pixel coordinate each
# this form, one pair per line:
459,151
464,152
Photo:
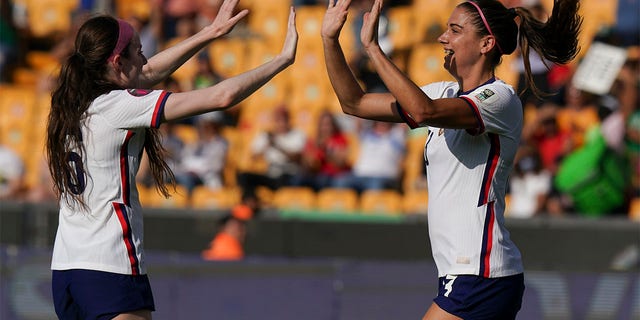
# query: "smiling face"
462,43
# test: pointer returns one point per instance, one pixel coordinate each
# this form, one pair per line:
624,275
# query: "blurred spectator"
230,237
202,161
380,151
149,27
552,142
178,12
597,175
281,147
325,156
205,76
578,113
12,174
529,184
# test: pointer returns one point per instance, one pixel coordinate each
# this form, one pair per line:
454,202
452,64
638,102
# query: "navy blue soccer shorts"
475,297
89,294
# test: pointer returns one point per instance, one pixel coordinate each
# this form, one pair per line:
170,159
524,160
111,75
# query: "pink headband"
125,33
486,24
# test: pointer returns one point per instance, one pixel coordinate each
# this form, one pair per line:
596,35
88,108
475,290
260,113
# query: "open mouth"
448,52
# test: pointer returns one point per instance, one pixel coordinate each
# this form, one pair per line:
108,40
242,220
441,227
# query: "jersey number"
76,184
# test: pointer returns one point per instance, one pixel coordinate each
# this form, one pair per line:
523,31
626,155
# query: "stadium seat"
309,20
380,202
342,200
415,202
228,56
294,198
401,27
430,17
270,23
203,197
634,209
309,93
17,113
426,64
127,9
272,94
506,71
187,133
49,17
186,72
178,199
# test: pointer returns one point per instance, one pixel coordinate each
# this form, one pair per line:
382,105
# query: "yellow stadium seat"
178,199
294,198
228,56
203,197
236,144
430,18
415,202
381,202
426,64
127,9
402,31
337,200
187,133
187,71
506,71
309,21
270,23
259,51
272,94
309,93
634,209
49,17
144,194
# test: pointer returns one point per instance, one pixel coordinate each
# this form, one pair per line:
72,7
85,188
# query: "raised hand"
225,20
335,18
369,31
290,45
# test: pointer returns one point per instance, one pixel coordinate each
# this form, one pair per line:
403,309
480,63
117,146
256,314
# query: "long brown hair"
81,80
556,40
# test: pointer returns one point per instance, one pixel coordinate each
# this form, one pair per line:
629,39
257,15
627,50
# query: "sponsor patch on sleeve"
138,92
485,94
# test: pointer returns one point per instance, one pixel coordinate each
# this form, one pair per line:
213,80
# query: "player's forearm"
166,62
343,81
225,94
406,92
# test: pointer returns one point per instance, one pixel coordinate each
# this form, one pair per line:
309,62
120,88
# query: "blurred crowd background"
290,147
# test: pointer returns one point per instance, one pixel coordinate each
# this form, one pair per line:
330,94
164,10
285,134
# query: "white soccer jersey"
108,236
467,174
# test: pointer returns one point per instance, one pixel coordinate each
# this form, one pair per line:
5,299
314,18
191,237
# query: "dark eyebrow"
451,25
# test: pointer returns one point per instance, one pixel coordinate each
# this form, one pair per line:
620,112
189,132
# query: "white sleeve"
497,107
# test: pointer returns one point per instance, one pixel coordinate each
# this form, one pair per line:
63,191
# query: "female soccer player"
474,131
102,116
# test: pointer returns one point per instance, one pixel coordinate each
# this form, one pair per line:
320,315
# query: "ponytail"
555,40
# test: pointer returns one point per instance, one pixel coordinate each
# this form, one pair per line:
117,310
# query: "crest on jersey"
138,92
485,94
